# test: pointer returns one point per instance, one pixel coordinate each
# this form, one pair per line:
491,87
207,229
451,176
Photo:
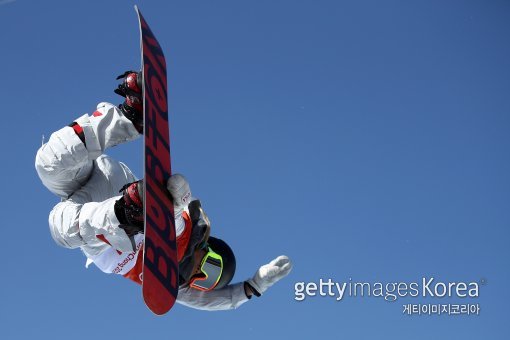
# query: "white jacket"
88,183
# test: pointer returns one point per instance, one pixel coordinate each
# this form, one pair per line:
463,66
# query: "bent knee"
64,226
62,163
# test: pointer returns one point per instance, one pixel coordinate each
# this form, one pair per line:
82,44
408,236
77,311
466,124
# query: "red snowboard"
160,266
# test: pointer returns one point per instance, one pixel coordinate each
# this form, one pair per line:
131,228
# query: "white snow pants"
87,181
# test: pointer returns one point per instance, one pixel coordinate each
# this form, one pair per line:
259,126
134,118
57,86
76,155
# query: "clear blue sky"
364,139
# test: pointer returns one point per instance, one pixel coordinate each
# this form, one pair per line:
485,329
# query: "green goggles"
211,268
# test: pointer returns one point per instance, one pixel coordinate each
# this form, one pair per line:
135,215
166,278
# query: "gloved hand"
270,273
178,187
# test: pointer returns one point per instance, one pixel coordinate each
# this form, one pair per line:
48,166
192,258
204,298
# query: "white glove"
178,187
270,273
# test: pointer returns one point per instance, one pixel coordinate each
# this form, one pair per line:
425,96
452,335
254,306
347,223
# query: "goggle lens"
211,267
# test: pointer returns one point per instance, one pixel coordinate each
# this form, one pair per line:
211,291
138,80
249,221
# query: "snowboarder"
101,209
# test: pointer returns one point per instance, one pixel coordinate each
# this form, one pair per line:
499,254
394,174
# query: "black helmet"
229,260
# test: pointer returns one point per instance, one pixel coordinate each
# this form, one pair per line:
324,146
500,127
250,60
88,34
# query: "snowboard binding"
131,89
129,208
